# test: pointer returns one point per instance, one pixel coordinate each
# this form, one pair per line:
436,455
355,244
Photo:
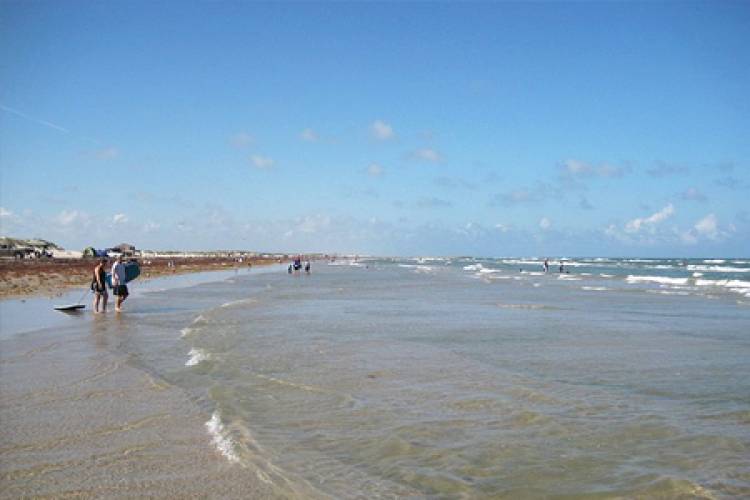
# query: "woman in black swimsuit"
99,286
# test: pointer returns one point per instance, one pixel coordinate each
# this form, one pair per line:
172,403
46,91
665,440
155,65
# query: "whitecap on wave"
568,277
718,269
663,280
220,440
197,356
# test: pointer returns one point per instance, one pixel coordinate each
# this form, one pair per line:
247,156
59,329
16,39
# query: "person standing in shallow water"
99,287
119,287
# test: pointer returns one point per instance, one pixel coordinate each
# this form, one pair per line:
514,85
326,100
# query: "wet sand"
80,420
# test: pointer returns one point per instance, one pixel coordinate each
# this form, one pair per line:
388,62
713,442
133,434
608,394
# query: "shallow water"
465,377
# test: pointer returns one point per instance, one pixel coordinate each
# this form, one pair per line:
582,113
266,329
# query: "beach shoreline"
53,277
92,422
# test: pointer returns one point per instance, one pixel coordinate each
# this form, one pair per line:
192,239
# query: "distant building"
124,249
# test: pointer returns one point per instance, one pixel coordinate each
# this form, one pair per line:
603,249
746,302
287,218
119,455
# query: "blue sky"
409,129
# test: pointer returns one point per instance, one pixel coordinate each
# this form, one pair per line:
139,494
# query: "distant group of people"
99,284
296,265
561,269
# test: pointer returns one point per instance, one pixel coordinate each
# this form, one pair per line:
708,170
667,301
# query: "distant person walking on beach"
119,287
546,265
99,287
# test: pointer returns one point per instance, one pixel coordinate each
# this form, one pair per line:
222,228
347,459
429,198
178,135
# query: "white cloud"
432,202
313,224
577,168
241,140
72,217
544,223
708,226
692,194
375,170
427,155
381,131
5,213
151,227
119,219
503,228
105,154
309,135
640,223
262,162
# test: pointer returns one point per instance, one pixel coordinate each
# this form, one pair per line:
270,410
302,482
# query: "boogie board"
69,308
132,271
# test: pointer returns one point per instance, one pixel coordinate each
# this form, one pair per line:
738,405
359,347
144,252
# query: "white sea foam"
239,302
595,288
223,443
607,275
718,269
424,269
714,261
697,275
489,271
345,263
197,356
656,279
473,267
186,331
700,282
418,268
668,292
522,262
199,319
723,283
568,277
423,260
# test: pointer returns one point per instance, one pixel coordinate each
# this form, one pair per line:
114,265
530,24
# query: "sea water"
467,378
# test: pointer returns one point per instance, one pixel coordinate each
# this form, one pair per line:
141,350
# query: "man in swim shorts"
99,287
119,287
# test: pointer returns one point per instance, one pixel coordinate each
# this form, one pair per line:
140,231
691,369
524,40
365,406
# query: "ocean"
430,377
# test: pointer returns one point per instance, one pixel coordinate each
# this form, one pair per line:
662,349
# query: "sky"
486,129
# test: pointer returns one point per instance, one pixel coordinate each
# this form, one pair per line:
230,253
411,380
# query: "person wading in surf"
99,287
119,287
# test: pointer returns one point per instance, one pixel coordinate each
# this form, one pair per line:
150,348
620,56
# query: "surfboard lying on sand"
132,271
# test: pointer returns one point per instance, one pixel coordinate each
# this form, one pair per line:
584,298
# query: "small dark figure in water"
307,267
289,270
561,268
546,265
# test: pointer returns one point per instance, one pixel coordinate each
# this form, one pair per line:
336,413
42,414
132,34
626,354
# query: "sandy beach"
50,277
